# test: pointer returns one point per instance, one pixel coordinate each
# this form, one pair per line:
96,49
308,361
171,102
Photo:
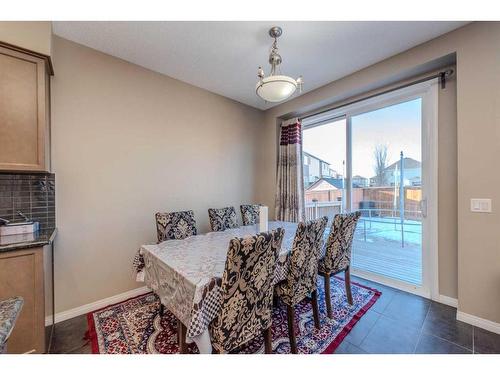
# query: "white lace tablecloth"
185,274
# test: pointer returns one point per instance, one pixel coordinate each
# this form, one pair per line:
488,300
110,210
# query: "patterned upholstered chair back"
247,290
175,225
338,245
222,218
250,213
301,280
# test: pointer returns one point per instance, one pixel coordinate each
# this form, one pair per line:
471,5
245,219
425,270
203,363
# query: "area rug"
135,326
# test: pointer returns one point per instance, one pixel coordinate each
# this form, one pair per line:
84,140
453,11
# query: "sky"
397,126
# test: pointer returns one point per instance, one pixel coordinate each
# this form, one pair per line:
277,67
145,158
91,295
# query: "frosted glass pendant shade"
276,88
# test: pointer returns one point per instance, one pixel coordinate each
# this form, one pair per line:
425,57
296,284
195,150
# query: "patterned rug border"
348,327
91,333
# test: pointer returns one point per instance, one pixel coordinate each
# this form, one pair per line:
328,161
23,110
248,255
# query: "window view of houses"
386,166
376,193
386,185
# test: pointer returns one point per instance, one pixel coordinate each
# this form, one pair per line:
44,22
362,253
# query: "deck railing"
378,216
316,210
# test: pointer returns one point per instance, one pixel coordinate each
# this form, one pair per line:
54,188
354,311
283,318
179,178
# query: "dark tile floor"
398,322
401,322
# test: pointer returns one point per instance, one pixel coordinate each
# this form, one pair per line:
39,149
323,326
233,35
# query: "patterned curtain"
290,183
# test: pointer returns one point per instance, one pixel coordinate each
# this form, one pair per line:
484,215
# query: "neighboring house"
315,168
329,189
416,181
330,183
326,189
326,183
412,174
360,181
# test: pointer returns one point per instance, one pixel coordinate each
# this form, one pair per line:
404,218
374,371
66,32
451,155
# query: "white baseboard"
479,322
84,309
453,302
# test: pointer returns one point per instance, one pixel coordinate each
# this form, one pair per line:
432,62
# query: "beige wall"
32,35
478,118
477,151
128,142
447,190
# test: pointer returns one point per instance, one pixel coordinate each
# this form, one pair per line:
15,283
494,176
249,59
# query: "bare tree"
380,156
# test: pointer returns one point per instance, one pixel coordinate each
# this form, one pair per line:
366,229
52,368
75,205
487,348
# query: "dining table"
185,275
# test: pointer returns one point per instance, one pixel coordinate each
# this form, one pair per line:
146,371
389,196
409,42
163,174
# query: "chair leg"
268,340
328,298
291,328
347,278
179,330
181,335
314,303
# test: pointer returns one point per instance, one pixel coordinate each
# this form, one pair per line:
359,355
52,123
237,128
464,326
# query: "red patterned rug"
135,326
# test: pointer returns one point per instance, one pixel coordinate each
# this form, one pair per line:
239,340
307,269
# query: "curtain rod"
442,80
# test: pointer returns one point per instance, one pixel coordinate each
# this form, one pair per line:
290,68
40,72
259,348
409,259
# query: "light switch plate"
480,205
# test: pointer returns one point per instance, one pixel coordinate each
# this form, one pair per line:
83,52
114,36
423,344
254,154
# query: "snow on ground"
389,229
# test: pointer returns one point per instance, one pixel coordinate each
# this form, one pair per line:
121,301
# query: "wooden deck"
388,258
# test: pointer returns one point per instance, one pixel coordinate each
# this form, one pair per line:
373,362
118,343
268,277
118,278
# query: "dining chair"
171,226
301,281
338,254
247,292
222,218
250,213
175,225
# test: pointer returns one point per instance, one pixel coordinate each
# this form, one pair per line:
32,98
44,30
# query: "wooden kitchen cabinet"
24,109
22,274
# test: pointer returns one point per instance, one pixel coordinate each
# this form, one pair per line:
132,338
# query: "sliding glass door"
387,189
379,157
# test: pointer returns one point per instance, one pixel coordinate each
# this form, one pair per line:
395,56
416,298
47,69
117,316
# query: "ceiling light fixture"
276,87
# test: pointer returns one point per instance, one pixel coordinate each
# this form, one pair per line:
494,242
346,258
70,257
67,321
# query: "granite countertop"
9,311
23,241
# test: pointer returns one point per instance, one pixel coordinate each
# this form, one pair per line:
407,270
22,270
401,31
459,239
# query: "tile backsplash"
31,193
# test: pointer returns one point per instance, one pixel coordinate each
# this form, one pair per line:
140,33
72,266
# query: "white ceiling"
223,57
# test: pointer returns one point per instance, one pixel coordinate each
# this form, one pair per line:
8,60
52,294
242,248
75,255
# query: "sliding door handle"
423,207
